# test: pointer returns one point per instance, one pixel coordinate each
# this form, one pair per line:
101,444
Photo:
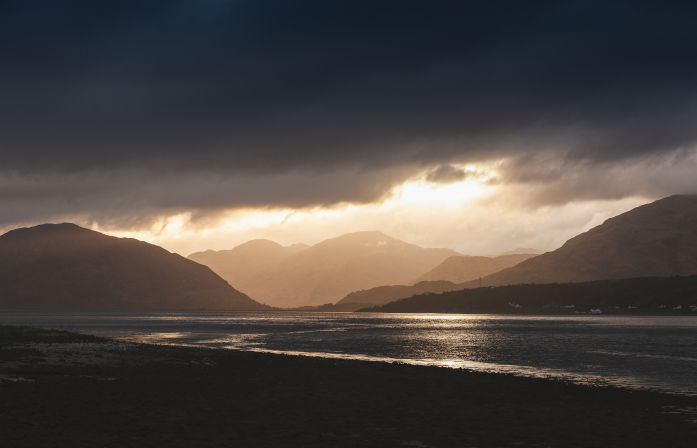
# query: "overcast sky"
204,123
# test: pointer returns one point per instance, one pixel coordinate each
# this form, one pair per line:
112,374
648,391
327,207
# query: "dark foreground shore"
63,389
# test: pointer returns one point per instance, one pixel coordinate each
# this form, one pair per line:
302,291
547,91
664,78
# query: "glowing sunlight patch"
461,207
419,196
422,191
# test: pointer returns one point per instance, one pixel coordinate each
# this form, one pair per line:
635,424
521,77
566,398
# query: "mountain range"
643,259
655,240
324,272
66,267
241,264
63,267
447,276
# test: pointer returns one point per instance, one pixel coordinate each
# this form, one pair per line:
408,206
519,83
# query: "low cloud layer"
121,112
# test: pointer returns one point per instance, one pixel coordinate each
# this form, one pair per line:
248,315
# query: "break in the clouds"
123,111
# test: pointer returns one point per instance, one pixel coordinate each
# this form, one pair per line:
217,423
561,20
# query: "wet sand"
64,389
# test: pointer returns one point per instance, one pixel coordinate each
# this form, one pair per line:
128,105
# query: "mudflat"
66,389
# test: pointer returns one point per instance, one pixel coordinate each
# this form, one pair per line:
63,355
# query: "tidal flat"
69,389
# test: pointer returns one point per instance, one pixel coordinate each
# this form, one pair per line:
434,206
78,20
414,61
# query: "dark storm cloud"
446,174
548,180
131,199
180,91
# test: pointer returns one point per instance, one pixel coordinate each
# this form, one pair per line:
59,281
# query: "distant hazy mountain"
384,294
241,265
447,276
657,239
326,271
66,267
463,268
645,295
522,250
297,247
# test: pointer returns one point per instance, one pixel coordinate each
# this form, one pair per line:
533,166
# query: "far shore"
513,312
68,389
377,310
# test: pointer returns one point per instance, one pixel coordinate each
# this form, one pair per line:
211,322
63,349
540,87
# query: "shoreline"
507,313
474,367
600,375
80,390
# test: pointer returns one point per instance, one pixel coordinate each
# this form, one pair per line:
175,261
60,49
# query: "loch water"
644,352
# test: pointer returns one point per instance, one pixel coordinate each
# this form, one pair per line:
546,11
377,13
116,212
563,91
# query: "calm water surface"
637,352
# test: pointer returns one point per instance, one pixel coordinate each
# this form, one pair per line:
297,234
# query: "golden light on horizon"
421,191
471,212
416,196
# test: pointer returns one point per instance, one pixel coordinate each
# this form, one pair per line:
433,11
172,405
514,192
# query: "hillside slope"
657,239
447,276
645,295
463,268
66,267
241,264
384,294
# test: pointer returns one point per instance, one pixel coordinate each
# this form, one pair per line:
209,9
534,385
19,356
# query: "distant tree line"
646,295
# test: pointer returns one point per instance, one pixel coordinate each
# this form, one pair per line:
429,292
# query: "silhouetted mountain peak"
50,227
249,249
46,230
669,212
66,267
365,236
260,244
364,242
522,251
656,239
